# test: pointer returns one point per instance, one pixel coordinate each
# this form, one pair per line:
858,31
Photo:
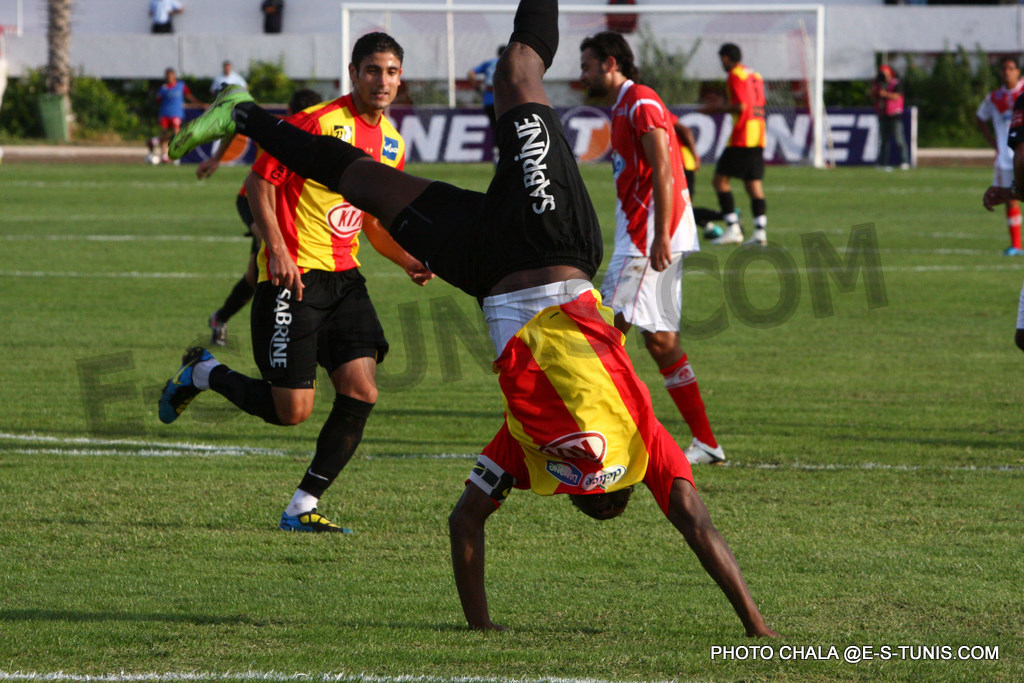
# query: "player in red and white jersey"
994,115
654,225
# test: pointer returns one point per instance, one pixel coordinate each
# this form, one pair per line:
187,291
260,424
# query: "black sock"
239,296
317,157
704,216
758,207
727,202
536,25
251,395
338,440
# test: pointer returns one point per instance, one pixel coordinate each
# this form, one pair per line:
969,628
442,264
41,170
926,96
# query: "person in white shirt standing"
162,11
227,77
994,115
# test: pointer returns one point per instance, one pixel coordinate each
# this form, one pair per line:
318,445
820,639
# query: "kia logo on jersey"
585,445
390,151
345,220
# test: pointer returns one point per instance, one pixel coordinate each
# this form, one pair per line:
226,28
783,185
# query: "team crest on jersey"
584,445
617,164
390,150
603,479
345,220
343,133
563,472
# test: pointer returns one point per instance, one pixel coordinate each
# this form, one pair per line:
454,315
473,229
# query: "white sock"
301,502
761,222
201,373
731,218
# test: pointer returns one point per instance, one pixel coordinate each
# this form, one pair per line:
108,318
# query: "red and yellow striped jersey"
581,416
320,228
746,88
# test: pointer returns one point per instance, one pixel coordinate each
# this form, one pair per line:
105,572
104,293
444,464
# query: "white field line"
46,443
56,445
749,271
275,677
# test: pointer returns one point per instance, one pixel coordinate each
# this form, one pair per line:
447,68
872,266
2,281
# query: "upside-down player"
578,419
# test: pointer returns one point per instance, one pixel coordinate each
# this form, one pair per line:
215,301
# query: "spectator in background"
172,96
273,11
227,77
482,76
162,11
888,95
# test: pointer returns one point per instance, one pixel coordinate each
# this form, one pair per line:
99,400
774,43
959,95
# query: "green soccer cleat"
213,124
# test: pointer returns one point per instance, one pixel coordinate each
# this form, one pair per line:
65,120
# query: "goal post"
783,42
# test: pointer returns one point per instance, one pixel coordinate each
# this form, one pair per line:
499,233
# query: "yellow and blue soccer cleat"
213,124
179,390
310,521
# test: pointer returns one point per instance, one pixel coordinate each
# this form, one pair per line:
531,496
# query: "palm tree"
58,41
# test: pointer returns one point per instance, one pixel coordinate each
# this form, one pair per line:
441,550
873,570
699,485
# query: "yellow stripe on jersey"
583,389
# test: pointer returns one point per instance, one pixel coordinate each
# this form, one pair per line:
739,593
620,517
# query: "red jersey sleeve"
649,113
272,170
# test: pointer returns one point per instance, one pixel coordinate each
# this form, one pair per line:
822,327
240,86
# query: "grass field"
873,494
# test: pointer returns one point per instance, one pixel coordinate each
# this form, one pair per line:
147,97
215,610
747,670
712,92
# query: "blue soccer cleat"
179,390
310,521
1012,251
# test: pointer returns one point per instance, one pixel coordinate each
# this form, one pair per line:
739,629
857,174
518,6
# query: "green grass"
873,495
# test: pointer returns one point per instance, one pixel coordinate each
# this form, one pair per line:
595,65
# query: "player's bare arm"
689,515
656,149
208,166
466,531
386,246
263,202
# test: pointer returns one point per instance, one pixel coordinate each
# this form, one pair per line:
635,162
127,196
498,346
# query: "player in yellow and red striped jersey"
578,419
743,158
311,306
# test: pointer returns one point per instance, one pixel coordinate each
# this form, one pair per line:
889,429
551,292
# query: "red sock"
1013,223
682,387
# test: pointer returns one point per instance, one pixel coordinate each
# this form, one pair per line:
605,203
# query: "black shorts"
245,213
745,163
333,324
535,213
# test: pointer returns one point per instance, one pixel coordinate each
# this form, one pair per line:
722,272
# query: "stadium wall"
110,42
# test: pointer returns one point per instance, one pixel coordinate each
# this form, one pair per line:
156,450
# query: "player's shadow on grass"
80,616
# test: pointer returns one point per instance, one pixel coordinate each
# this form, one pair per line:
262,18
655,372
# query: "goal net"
784,43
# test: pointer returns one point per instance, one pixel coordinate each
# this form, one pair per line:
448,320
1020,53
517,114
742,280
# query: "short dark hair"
375,42
602,506
610,44
303,99
732,51
1012,60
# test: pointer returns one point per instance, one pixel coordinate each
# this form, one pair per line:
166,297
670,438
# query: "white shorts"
1002,177
1020,310
650,300
505,314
